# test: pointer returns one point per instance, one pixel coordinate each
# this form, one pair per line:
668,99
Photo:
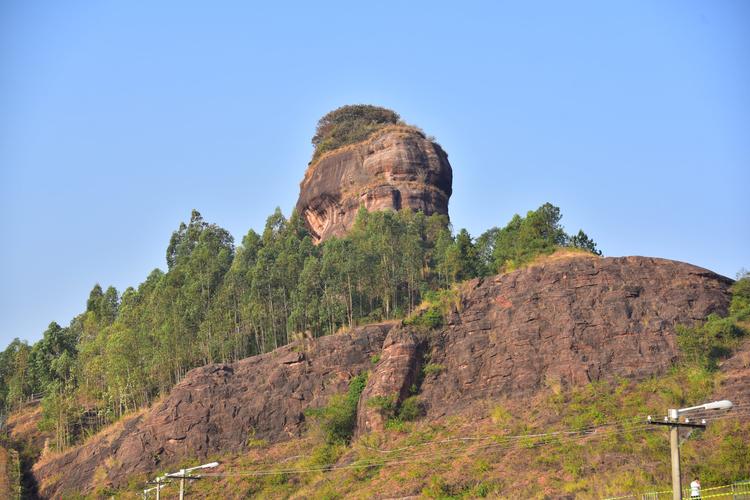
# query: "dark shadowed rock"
396,168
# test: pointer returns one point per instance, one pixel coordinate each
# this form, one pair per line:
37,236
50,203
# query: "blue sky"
118,118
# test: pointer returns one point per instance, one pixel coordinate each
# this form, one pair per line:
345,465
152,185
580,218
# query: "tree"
55,342
461,258
582,241
523,238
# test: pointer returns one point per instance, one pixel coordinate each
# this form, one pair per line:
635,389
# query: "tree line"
217,302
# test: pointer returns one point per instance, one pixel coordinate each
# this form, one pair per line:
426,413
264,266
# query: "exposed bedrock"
397,168
567,323
559,324
392,377
217,409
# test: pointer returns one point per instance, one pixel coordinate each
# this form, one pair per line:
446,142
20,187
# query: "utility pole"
182,484
160,483
673,421
182,475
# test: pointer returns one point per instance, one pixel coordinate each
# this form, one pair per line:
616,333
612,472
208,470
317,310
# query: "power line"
496,443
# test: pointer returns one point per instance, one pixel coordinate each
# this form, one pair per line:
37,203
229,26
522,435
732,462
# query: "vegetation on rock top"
350,124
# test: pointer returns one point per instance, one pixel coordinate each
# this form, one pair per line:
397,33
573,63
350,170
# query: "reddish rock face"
396,168
217,409
393,376
567,323
559,324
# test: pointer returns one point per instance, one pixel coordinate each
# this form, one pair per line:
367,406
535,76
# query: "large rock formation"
395,168
562,323
217,409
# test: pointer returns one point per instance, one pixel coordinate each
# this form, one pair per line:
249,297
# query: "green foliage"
460,261
432,369
338,418
429,317
524,238
582,241
411,409
375,359
709,342
436,305
386,405
324,455
739,309
436,488
350,124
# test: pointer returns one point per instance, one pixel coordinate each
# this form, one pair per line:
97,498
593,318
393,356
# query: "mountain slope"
553,326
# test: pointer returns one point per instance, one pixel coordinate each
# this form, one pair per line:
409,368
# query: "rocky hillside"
563,323
395,168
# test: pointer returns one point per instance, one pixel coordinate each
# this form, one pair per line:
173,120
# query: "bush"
386,405
431,317
706,344
338,418
432,368
350,124
740,307
436,306
411,409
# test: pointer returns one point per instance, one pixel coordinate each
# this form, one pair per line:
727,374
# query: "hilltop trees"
218,303
523,238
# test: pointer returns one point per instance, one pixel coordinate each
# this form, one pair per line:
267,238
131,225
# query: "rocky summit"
396,168
564,322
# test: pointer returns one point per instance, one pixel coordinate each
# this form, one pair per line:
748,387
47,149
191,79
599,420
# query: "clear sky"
119,117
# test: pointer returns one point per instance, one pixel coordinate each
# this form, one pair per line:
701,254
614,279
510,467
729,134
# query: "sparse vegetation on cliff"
713,340
337,419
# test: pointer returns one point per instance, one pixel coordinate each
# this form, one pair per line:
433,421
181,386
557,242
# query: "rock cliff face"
396,168
217,409
563,323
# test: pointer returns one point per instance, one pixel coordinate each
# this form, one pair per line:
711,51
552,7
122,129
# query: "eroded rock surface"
397,168
392,377
567,323
562,323
217,409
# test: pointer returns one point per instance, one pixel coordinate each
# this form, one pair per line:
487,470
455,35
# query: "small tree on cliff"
350,124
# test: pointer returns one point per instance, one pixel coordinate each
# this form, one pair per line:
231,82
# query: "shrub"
706,344
436,306
432,368
386,405
740,307
338,418
411,409
350,124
